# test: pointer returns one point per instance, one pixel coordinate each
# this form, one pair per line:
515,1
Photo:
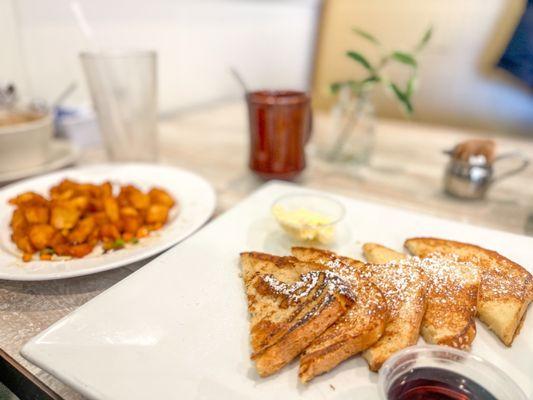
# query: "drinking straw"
64,94
102,70
84,26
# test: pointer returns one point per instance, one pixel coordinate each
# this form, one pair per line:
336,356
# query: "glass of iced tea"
280,126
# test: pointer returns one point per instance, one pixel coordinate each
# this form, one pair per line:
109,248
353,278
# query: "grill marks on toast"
361,326
506,288
290,304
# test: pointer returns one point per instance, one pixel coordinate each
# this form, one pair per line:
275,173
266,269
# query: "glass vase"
352,130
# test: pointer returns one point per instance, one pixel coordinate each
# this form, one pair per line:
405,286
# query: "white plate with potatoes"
101,217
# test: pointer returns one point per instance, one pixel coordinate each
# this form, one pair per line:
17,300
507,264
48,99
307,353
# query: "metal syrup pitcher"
472,178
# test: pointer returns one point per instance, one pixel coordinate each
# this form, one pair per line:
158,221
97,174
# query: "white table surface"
406,171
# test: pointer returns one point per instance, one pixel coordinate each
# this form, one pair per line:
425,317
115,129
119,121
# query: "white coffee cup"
25,144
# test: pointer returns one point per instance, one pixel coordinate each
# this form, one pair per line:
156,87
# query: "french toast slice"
451,295
506,287
377,254
290,304
361,326
286,267
404,286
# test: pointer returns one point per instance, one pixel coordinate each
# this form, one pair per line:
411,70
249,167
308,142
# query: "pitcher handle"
309,126
513,154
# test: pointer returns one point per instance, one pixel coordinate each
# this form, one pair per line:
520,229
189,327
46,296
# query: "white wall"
11,65
459,84
270,42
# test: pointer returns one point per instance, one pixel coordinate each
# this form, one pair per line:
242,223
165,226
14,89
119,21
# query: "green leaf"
404,58
336,86
355,86
48,250
134,240
365,35
425,39
358,57
371,79
402,97
410,87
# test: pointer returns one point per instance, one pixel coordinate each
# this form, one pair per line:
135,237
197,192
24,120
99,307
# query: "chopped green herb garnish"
134,240
117,244
48,250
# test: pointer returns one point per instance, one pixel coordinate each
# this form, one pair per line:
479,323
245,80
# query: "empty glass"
123,88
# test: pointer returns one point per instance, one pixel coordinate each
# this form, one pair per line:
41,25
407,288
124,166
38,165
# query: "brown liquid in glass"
280,125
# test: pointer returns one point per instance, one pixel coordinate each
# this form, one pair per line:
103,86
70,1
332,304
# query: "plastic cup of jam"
443,373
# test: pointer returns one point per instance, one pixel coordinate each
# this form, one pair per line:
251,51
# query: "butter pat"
305,225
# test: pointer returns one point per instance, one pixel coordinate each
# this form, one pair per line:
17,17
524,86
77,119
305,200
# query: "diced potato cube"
160,196
23,243
36,214
111,209
79,203
106,189
123,199
131,224
109,231
18,220
63,217
156,213
58,239
127,236
63,196
128,212
62,249
138,199
80,250
155,227
96,204
82,230
100,218
28,197
142,232
41,235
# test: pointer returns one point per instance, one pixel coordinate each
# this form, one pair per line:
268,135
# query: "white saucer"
62,153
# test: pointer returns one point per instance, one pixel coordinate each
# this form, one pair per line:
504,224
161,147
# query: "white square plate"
178,328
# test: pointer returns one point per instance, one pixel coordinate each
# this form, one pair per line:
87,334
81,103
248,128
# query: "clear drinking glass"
123,88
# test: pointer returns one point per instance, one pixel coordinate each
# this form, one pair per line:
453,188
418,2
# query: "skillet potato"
76,217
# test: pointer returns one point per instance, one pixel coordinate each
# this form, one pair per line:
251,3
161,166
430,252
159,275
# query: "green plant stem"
351,123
